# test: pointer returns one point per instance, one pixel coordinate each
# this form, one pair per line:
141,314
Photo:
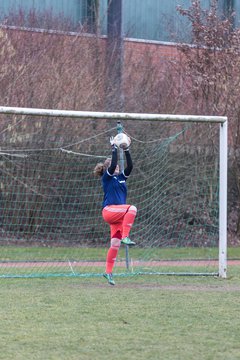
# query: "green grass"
12,253
148,317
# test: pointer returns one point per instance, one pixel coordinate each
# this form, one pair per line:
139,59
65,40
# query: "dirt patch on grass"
177,287
181,287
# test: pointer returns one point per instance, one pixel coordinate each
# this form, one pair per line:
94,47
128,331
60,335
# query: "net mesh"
50,208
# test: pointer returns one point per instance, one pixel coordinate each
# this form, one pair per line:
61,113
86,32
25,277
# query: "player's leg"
120,218
127,224
112,256
114,218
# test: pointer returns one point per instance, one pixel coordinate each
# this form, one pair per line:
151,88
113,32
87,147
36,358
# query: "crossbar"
112,115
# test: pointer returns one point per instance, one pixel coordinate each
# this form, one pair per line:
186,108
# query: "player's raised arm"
129,167
113,164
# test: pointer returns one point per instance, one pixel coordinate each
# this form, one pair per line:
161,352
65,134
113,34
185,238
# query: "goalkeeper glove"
125,148
113,145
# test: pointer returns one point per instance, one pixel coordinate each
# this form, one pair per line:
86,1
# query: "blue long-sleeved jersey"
114,186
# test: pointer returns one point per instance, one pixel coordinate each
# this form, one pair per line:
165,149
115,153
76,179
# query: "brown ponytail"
100,168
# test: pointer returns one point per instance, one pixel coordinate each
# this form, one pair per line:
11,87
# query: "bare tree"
212,76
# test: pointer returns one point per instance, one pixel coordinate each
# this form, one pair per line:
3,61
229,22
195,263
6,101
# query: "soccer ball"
122,140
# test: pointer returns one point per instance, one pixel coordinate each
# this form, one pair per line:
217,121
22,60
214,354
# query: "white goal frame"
223,152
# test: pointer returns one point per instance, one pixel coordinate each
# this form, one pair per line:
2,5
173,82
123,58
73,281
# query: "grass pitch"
149,317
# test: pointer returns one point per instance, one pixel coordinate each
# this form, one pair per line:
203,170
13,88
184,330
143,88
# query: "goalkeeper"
119,215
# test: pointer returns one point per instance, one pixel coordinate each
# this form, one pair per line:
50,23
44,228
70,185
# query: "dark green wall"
144,19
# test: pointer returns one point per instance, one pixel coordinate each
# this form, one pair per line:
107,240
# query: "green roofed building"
142,19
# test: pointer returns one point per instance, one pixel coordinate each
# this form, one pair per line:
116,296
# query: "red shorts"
113,215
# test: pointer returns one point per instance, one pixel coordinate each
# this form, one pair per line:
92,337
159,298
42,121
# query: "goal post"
223,164
51,205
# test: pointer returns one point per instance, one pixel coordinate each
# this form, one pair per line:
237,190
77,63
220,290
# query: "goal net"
50,201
